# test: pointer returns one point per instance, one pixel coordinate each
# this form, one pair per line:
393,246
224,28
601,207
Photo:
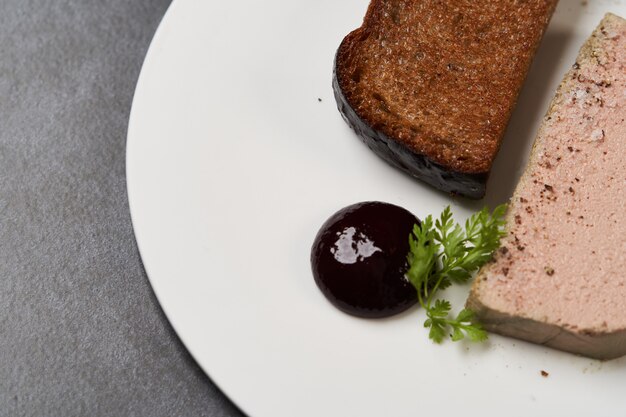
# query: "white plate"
234,163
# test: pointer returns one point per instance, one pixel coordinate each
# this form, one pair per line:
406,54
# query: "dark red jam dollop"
359,259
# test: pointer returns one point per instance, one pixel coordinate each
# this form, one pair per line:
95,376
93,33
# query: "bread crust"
435,104
415,164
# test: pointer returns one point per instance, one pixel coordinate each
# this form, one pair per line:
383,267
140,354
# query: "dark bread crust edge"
395,153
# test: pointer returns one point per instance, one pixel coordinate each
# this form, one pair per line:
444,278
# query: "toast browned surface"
430,85
558,278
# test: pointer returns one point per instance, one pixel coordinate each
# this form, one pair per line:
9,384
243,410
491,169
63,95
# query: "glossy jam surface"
359,259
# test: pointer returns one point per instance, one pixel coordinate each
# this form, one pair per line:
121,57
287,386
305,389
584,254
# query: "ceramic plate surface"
237,154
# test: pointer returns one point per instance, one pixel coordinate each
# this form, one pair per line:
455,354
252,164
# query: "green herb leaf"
459,275
423,255
476,333
457,334
437,331
440,309
465,315
442,253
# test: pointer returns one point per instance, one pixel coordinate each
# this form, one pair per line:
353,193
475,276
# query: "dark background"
81,331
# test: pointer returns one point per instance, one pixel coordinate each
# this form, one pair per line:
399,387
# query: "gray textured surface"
81,331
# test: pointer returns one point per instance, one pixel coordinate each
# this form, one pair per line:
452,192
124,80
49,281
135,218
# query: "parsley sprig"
443,253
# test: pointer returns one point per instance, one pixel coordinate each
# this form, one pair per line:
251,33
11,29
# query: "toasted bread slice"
430,85
559,278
